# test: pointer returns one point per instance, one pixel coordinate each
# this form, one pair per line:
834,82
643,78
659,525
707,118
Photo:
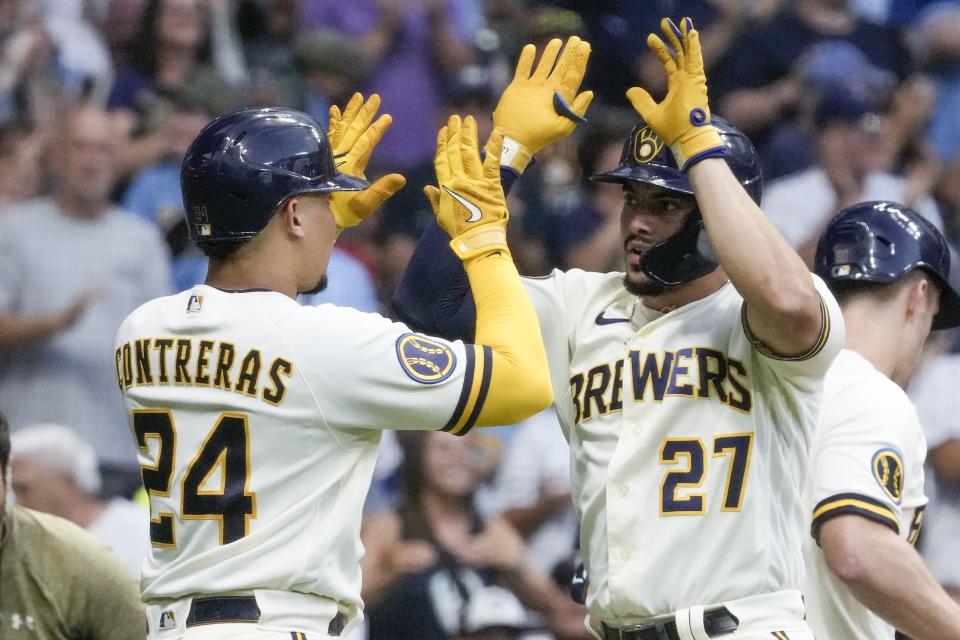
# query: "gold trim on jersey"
145,448
733,467
478,383
856,504
762,348
221,465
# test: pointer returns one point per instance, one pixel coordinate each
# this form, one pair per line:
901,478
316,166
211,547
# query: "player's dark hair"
222,250
4,444
846,290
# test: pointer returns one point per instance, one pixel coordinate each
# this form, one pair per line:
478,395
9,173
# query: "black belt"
216,609
223,609
717,621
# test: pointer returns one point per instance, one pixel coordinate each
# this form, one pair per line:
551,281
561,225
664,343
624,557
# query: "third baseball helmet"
881,242
686,255
244,165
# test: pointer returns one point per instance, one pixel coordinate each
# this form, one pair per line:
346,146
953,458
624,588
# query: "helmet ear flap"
684,256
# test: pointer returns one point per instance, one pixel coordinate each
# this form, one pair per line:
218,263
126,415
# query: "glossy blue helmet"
880,242
686,255
244,165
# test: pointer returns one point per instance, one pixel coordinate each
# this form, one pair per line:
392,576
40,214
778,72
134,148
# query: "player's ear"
919,292
291,214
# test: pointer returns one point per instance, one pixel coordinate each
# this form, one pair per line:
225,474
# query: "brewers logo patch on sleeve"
425,360
888,470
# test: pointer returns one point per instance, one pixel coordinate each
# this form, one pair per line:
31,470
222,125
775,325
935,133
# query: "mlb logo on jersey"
195,304
168,621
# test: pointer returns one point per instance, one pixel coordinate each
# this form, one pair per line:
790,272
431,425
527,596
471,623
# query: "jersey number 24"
225,449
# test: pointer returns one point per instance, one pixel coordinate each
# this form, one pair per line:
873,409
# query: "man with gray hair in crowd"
55,471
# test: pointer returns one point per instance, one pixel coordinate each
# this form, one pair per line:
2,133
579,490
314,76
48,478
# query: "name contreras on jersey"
201,362
697,372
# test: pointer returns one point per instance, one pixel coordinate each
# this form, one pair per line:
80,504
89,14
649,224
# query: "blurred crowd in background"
847,100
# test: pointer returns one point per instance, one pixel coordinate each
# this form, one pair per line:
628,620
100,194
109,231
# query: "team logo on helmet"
425,360
646,145
888,470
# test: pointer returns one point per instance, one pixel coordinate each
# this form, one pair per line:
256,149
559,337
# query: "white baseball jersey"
257,422
688,445
867,460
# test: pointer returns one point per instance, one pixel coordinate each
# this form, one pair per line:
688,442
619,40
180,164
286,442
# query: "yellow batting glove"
682,120
469,203
540,107
353,136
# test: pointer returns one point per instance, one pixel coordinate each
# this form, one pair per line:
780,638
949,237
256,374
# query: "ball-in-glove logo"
646,145
888,470
425,360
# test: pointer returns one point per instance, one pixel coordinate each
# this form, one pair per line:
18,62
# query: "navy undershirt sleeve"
434,293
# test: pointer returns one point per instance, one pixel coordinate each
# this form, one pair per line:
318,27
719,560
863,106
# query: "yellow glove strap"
515,155
481,240
694,142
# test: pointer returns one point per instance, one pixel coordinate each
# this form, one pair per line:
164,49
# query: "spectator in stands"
57,581
154,192
181,44
849,131
72,266
935,394
30,90
428,560
586,234
332,65
413,47
936,48
55,471
22,164
493,614
756,88
533,492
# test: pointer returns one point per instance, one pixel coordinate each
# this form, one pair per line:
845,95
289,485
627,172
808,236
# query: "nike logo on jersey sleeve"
475,213
602,320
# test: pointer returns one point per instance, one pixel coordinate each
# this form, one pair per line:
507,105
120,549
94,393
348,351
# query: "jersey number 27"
225,449
692,452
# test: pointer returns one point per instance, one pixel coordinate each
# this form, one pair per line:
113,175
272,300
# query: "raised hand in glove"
539,109
353,136
683,118
469,203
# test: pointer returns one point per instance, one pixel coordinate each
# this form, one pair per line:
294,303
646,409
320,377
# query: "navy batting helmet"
881,242
244,165
686,255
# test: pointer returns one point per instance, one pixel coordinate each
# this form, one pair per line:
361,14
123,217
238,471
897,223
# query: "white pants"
284,615
229,631
771,616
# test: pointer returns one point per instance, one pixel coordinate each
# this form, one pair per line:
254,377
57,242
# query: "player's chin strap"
684,256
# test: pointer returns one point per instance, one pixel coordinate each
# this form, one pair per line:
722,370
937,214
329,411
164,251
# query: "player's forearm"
506,322
766,271
900,588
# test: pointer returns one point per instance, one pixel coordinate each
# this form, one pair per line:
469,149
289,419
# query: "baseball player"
257,419
688,387
889,268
